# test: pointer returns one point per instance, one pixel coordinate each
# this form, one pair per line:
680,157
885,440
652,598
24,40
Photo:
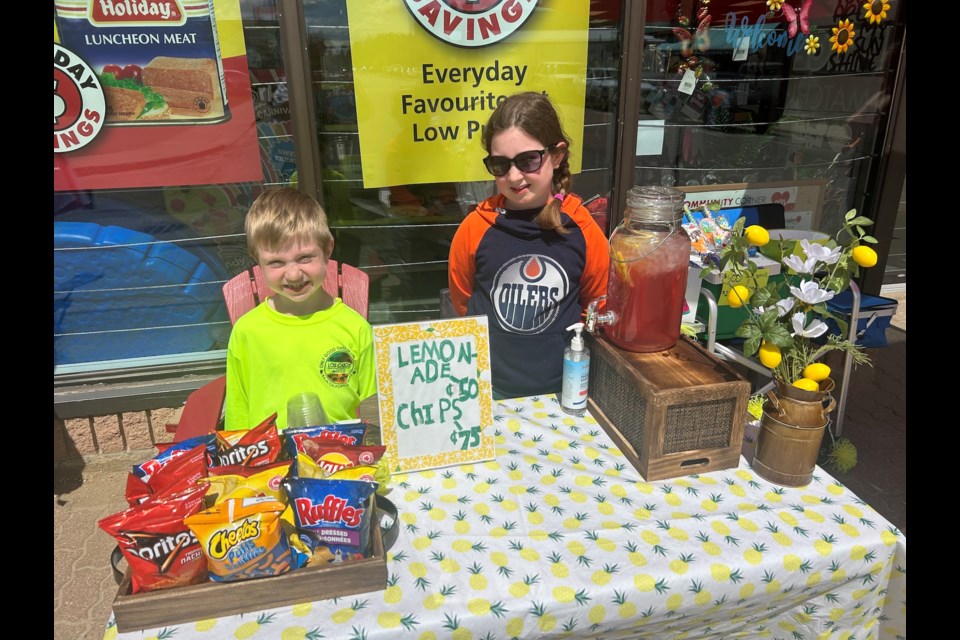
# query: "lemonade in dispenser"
649,258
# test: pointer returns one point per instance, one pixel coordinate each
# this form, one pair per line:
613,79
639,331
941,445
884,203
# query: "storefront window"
768,103
138,272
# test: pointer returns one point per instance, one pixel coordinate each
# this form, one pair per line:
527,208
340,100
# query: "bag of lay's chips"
297,439
242,538
332,517
259,481
160,549
250,448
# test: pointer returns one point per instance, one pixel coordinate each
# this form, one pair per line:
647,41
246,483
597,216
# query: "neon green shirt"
272,356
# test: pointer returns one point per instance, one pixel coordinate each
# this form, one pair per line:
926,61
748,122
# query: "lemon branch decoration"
785,329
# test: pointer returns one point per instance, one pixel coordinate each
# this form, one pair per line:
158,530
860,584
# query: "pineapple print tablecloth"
560,537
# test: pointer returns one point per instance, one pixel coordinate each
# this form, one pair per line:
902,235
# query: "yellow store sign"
428,74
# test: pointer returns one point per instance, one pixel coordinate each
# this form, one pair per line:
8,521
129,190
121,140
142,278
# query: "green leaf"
869,239
860,220
751,346
849,215
779,336
762,297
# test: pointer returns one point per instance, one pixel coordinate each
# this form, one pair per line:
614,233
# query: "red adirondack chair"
243,292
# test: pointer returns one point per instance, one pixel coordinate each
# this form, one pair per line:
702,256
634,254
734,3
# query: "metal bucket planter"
791,432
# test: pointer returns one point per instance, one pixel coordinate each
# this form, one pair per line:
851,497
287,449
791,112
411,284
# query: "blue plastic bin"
874,317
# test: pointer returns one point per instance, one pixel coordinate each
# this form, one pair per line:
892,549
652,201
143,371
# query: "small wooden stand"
214,599
672,413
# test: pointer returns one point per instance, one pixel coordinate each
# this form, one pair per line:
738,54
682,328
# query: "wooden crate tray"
166,607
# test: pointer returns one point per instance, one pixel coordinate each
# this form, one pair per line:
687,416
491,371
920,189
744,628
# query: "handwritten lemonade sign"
433,383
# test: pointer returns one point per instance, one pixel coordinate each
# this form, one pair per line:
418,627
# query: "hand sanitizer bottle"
576,374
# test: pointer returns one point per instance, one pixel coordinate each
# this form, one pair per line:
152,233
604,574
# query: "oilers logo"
526,291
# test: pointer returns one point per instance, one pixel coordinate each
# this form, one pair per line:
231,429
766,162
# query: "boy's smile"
296,273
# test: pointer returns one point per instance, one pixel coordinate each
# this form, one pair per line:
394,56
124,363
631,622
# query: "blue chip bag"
332,517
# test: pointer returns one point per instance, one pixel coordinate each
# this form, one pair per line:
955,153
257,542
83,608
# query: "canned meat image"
158,61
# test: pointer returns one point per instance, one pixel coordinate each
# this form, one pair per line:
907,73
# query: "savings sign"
429,73
471,23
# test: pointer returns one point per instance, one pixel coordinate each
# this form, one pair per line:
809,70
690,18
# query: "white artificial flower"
815,329
819,252
800,266
810,292
783,308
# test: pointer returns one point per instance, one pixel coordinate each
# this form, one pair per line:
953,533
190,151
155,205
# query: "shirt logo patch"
526,291
337,366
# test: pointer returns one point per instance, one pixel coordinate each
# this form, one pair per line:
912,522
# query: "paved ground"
86,491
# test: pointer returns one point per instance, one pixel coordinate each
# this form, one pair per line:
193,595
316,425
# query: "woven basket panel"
704,425
619,399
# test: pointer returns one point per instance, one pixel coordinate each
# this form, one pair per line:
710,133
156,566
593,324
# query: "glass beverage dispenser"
649,258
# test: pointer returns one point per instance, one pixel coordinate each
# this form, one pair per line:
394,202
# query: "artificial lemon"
816,371
769,355
864,256
738,296
807,384
756,235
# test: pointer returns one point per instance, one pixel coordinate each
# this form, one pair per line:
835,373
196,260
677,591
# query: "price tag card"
434,392
743,48
688,82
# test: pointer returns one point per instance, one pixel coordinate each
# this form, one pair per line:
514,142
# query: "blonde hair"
282,214
534,114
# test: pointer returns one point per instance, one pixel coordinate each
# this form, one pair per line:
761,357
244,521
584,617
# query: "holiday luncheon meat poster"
428,74
151,93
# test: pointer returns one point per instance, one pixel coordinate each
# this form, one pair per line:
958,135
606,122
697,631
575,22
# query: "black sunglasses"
527,162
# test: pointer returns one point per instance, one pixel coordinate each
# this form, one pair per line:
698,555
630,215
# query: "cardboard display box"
216,599
672,413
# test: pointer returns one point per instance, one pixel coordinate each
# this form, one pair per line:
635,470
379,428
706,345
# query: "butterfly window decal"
798,21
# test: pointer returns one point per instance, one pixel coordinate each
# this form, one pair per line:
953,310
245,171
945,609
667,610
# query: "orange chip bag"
242,538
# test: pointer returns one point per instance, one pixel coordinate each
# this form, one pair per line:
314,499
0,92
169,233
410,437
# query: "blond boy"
300,339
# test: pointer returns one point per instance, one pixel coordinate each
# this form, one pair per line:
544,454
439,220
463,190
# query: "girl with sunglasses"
530,258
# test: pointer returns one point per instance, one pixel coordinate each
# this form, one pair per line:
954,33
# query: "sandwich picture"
128,101
190,86
123,104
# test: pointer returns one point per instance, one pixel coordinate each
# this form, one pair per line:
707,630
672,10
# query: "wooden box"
672,413
216,599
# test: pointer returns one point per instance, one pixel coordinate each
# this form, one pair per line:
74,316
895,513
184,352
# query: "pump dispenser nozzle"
576,343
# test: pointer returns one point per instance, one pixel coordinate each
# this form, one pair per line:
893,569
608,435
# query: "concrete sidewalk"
87,490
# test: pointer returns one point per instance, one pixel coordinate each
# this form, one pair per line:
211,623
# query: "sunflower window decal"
842,37
875,11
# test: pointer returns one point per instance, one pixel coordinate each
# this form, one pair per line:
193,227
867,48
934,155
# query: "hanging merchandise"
649,256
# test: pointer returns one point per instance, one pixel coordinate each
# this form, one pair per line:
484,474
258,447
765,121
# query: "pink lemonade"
647,296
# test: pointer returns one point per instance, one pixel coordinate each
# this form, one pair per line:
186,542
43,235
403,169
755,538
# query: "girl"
530,258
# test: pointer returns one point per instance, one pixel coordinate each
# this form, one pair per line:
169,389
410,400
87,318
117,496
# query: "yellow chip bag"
263,483
361,472
242,538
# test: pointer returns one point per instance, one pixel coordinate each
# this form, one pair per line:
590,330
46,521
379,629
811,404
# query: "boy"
300,339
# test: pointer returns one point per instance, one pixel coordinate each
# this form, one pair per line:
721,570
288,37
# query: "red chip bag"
183,470
250,448
161,550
